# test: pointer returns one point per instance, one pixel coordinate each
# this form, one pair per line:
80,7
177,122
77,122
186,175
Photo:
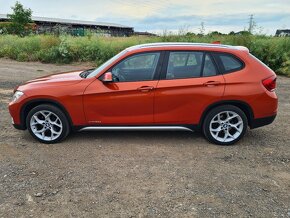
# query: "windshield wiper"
85,73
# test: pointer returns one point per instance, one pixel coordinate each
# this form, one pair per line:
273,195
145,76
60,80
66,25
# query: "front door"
128,100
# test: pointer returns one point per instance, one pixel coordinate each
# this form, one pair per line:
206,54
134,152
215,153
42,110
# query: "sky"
159,16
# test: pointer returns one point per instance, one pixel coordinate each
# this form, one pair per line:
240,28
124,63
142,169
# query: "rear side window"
229,62
182,65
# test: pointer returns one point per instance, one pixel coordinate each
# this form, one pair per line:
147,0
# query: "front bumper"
14,110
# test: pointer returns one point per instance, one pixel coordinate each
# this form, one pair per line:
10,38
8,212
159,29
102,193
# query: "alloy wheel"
226,126
46,125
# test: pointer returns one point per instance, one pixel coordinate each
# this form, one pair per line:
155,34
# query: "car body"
157,86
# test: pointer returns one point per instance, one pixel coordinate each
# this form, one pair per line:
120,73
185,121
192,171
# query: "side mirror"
108,77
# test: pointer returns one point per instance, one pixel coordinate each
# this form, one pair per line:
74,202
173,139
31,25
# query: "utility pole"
252,24
201,29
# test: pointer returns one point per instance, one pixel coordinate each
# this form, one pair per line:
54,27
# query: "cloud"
223,23
152,15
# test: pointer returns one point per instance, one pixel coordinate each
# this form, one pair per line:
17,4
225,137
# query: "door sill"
136,128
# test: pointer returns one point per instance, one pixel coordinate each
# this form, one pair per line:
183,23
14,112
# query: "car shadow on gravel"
170,138
136,137
252,137
136,134
122,136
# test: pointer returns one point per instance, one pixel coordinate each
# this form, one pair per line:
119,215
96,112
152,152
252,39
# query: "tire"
225,125
48,124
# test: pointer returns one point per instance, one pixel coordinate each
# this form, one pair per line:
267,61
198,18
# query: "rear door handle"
212,83
145,88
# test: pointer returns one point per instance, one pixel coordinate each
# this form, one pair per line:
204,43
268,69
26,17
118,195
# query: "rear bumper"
19,127
262,121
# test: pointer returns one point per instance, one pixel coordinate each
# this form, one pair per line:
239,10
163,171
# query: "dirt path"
141,174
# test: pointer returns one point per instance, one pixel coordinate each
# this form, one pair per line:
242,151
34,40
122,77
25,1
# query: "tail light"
270,83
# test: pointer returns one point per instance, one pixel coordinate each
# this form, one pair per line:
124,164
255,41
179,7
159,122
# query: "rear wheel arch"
245,107
34,103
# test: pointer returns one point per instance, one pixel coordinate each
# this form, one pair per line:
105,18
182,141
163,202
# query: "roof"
145,33
69,21
281,32
284,30
187,44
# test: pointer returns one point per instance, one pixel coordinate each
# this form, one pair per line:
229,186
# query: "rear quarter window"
228,62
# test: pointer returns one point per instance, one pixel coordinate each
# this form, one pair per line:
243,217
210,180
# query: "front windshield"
106,64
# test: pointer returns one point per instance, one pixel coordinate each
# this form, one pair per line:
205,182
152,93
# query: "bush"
274,51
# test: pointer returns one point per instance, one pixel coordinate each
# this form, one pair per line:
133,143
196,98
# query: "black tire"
215,111
50,108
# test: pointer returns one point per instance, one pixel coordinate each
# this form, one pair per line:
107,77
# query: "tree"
20,19
215,33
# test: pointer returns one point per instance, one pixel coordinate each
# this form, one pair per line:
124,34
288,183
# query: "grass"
273,51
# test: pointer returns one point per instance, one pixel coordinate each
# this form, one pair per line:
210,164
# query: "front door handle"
145,88
211,83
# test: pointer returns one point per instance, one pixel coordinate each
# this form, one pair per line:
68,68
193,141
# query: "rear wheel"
225,125
47,123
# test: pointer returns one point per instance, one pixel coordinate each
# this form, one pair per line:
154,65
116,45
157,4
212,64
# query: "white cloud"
137,12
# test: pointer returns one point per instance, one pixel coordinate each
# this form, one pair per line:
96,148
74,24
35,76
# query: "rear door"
190,81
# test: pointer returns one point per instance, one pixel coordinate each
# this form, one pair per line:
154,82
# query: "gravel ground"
141,174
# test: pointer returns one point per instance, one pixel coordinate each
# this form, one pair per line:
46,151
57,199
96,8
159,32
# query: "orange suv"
218,89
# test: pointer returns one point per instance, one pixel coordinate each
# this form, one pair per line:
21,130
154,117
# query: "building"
282,33
144,34
76,27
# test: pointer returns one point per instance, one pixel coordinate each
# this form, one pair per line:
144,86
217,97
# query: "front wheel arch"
28,106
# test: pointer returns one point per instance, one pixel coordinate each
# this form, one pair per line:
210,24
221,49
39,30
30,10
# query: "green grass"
274,51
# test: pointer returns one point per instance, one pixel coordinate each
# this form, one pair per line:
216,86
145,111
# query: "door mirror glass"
108,77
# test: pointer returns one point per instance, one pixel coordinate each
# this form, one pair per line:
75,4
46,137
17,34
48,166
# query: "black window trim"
156,73
218,72
202,65
205,52
220,64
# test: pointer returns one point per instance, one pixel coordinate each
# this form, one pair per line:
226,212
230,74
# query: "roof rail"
150,45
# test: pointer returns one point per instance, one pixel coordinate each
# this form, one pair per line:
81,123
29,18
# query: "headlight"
17,95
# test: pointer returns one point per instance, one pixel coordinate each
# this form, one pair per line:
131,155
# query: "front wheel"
47,123
225,125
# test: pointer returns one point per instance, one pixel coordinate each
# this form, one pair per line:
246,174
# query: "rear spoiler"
243,49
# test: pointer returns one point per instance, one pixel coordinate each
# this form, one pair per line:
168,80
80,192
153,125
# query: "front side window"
184,65
106,64
140,67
